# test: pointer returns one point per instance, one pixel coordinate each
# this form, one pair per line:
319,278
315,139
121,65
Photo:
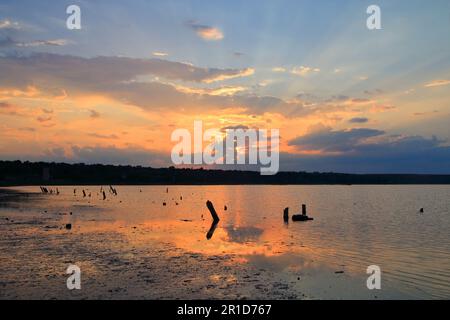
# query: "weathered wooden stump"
300,217
213,212
286,215
303,216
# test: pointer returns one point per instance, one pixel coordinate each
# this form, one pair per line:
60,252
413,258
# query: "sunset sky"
345,98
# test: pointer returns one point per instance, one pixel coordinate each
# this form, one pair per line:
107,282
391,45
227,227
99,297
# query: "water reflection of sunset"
190,236
344,236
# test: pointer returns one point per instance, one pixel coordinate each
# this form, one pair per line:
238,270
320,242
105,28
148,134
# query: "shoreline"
216,184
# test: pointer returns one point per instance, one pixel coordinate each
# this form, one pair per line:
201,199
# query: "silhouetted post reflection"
215,217
210,233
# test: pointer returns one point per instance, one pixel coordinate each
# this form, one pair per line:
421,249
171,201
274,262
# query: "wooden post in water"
286,215
211,209
304,209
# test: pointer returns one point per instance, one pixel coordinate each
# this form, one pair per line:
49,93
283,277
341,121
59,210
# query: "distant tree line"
42,173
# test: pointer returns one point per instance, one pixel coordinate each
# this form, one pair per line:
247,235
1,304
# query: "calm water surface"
353,227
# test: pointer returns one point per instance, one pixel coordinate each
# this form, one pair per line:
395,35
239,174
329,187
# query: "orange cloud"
231,75
437,83
206,32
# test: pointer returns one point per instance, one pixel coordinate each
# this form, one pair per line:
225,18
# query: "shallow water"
131,246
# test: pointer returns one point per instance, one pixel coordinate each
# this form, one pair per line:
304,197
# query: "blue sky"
309,67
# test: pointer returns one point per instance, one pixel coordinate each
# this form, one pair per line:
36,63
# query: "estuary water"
158,242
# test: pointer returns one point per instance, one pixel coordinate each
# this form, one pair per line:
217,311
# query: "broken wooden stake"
303,216
213,212
286,215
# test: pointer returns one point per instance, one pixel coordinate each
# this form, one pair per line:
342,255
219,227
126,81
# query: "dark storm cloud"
410,154
329,141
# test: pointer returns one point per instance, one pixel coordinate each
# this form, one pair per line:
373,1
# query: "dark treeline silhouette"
41,173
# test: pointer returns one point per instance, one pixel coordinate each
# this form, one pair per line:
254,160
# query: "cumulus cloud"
155,84
304,71
279,69
160,54
8,24
206,32
118,78
11,30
